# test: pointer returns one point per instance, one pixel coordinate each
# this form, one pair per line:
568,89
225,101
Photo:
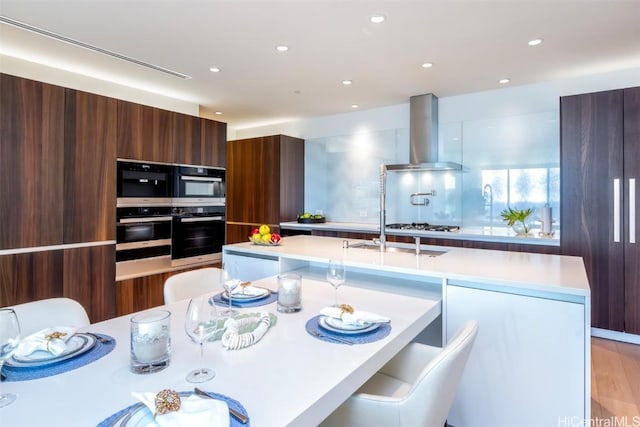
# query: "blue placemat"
312,327
14,373
232,403
218,300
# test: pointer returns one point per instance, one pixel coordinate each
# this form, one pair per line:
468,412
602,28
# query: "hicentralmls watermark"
576,421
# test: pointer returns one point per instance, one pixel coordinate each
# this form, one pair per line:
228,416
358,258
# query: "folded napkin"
251,291
358,317
194,411
52,340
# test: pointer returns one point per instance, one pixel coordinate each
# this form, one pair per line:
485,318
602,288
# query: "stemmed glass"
336,275
201,323
229,281
9,339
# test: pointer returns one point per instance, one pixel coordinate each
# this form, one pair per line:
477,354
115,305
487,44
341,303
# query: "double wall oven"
171,211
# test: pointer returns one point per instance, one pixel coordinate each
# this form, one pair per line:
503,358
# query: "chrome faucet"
487,193
383,213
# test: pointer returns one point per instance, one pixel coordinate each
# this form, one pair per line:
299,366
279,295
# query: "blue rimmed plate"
335,325
76,345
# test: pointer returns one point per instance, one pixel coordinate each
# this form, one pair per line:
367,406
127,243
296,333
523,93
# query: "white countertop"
512,271
500,234
281,380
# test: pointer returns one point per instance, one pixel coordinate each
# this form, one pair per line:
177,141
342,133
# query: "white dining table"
289,378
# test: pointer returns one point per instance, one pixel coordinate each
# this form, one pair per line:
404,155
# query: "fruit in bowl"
308,218
264,236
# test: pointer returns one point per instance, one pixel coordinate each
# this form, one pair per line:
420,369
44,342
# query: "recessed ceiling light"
377,18
355,106
214,69
427,65
504,81
282,48
219,113
534,42
347,82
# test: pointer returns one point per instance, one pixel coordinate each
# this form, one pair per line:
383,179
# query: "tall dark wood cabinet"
265,183
631,202
31,163
57,187
89,167
599,160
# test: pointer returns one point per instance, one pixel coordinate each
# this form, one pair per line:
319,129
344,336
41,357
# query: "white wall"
342,184
507,101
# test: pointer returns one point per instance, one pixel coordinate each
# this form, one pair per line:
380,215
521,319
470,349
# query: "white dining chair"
416,387
191,283
46,313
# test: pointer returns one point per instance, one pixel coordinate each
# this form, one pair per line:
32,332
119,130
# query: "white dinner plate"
76,345
246,297
335,325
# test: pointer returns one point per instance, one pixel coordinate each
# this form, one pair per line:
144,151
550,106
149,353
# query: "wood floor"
615,381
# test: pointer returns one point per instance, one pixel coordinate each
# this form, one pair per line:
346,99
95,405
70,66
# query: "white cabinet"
251,267
527,366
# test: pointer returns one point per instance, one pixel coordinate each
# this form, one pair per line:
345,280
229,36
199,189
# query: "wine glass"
201,323
9,339
229,281
336,275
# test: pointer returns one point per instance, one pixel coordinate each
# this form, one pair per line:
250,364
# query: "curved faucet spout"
383,213
487,194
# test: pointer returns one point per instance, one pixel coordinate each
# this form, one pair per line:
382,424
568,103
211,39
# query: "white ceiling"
472,44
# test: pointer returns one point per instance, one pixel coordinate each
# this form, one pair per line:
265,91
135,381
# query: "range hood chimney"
423,137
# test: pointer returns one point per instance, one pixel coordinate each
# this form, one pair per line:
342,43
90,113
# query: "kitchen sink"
390,248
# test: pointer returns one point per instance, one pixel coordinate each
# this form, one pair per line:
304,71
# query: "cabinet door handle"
632,210
616,210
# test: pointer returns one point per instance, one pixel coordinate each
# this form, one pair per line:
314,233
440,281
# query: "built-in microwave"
198,186
144,183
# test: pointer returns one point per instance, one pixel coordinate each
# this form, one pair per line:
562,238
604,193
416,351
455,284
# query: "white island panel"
527,365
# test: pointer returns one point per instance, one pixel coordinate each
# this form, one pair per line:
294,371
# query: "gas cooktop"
423,226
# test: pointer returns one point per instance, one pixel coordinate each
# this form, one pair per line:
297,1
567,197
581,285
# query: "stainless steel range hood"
423,137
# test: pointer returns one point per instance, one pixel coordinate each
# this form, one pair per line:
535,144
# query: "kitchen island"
530,365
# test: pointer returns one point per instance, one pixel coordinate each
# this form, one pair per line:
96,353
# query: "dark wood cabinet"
85,274
30,276
145,133
599,157
265,181
88,277
214,143
512,247
89,167
187,140
156,135
631,208
31,163
199,141
142,293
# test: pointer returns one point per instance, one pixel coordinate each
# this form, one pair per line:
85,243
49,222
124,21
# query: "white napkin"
358,317
251,291
194,411
40,342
